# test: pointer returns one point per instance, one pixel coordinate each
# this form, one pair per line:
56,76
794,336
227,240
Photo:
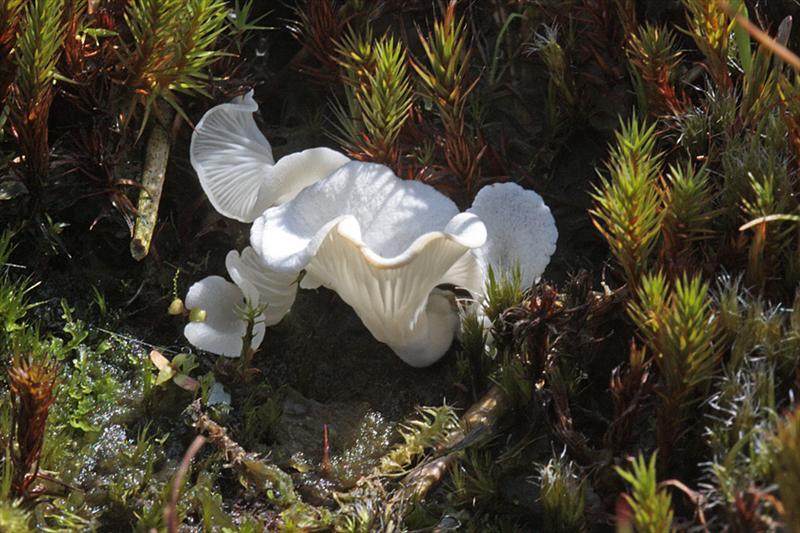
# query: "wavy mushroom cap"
383,244
390,214
223,328
521,230
235,166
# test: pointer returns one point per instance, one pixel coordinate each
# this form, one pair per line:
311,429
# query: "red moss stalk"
32,385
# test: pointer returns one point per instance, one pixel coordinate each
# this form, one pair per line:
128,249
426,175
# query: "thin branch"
762,37
171,511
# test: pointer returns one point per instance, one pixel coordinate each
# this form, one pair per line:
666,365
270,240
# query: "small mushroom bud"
197,315
176,307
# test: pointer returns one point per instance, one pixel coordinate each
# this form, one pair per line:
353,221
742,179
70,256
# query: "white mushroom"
521,230
384,245
275,290
222,303
237,171
222,327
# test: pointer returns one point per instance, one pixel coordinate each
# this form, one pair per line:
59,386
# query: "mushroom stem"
476,423
155,169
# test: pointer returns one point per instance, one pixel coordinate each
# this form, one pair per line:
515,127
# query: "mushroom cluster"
387,246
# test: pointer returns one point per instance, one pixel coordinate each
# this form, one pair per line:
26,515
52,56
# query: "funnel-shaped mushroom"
234,162
221,303
521,230
384,245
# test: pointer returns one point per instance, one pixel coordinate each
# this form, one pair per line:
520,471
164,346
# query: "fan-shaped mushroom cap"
383,244
521,230
222,330
237,171
223,302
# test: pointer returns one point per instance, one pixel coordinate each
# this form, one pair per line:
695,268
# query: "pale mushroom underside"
274,290
236,168
520,227
384,245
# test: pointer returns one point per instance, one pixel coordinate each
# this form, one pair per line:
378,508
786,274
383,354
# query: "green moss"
562,496
651,505
13,519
